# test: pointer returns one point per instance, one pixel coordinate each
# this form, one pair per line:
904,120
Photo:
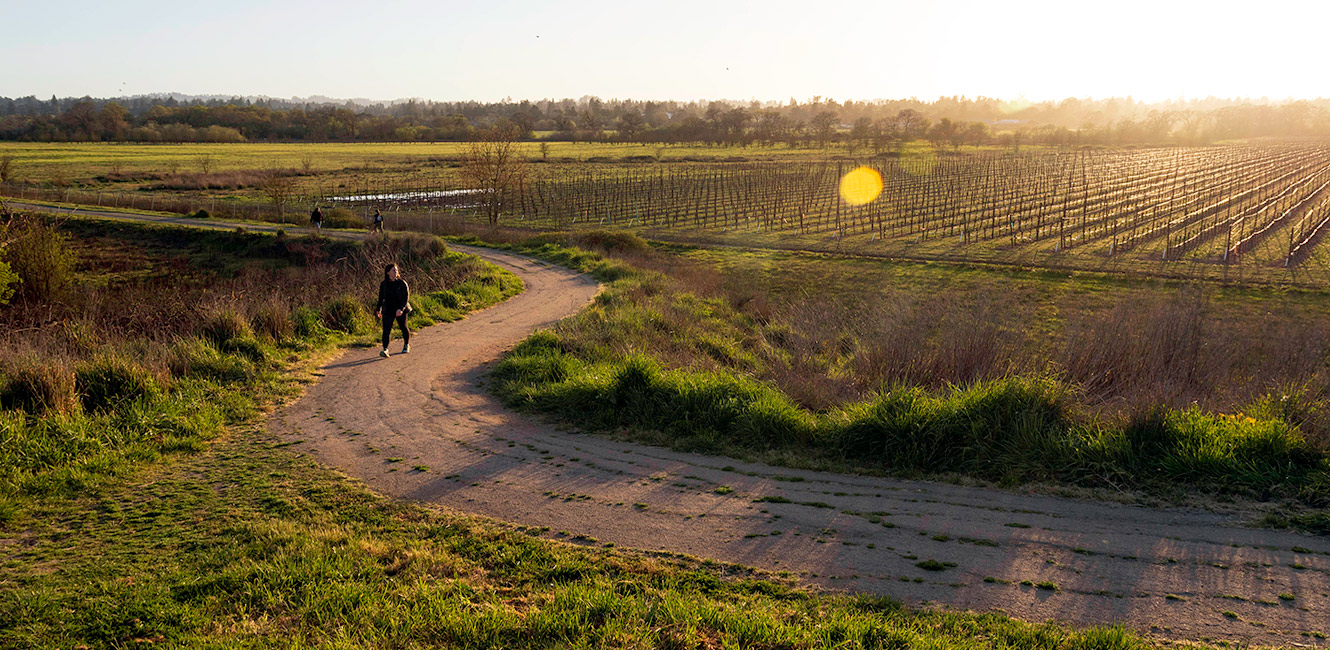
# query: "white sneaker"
405,349
383,352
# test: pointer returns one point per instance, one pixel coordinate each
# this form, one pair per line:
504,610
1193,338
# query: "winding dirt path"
421,426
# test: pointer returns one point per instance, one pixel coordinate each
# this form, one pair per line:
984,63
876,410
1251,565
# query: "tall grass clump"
273,321
1219,451
39,386
1013,428
108,380
654,358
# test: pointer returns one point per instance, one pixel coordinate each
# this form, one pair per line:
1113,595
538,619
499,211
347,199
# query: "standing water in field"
403,197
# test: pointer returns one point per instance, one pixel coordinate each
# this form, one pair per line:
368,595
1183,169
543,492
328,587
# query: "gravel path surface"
421,426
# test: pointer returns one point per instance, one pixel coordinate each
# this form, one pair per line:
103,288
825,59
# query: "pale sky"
676,49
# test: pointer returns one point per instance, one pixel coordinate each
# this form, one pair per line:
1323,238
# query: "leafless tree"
279,186
205,162
495,168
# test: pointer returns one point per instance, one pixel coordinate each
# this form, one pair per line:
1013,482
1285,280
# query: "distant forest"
880,123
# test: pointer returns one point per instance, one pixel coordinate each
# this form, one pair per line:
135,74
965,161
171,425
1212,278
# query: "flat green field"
84,162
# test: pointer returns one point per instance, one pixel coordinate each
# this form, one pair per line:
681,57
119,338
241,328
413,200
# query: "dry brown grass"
144,315
1125,352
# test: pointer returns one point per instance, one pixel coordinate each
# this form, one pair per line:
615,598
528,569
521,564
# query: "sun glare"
861,186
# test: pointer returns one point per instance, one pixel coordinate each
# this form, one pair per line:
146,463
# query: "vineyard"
1235,206
1253,211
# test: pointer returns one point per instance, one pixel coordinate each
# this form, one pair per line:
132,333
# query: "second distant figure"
394,304
378,222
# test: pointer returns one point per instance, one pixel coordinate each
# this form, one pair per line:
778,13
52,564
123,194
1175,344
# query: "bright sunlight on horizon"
769,50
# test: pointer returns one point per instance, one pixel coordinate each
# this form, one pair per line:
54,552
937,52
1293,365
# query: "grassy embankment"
1013,377
149,507
139,353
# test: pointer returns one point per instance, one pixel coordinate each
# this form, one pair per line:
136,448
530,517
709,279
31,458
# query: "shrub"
39,387
39,254
346,314
108,380
308,322
342,218
617,241
200,214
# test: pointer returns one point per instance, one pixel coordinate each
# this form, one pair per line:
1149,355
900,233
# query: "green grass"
934,565
247,544
183,524
1012,430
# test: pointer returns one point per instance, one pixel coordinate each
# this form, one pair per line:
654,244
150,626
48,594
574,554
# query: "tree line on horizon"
951,120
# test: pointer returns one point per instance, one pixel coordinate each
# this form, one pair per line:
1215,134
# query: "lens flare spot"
861,186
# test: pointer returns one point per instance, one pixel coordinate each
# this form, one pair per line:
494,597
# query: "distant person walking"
316,218
394,304
378,222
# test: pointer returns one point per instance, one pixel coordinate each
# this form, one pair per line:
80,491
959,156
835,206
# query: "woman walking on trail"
393,304
378,222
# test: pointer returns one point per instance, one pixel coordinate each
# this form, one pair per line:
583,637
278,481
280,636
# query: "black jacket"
393,295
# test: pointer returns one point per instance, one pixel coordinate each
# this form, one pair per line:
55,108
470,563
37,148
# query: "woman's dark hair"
388,268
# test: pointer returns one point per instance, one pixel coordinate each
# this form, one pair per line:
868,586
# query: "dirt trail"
1177,574
1172,573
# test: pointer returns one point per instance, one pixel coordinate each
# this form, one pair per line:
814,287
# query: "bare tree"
205,162
279,186
912,125
495,168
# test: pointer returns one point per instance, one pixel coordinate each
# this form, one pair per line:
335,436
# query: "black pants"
388,319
